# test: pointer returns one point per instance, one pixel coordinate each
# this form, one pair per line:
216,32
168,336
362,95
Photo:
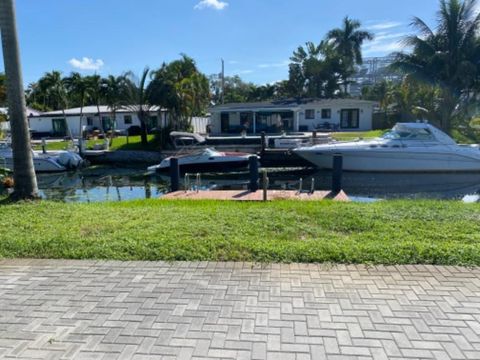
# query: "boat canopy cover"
178,134
418,131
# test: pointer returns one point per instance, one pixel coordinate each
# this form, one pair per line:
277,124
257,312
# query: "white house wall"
45,125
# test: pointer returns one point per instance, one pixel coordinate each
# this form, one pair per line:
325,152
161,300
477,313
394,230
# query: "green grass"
349,136
396,232
119,143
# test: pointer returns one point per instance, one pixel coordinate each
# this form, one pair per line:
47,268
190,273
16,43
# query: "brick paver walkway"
103,310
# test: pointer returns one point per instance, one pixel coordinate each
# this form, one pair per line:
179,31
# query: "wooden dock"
245,195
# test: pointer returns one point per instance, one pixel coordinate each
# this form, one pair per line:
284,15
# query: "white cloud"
86,63
212,4
384,25
274,65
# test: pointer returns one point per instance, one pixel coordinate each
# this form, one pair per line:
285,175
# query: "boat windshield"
404,133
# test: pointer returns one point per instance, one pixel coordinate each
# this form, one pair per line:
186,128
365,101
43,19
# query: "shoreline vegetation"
393,232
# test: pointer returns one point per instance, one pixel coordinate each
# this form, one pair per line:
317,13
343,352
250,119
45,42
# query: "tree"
78,91
314,71
94,84
138,98
25,182
182,89
114,93
446,57
347,41
3,90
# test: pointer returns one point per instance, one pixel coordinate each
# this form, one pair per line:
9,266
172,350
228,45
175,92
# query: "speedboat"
408,147
206,160
57,161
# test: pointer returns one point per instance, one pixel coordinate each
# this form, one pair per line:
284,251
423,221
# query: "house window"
310,114
107,123
326,113
89,121
224,122
246,121
127,119
152,122
350,119
59,127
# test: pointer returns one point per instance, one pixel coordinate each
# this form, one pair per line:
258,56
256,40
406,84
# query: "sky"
254,37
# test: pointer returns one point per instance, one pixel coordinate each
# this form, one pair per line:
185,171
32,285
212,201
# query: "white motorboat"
57,161
408,147
206,160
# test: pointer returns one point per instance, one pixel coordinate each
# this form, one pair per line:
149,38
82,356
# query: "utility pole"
223,81
25,182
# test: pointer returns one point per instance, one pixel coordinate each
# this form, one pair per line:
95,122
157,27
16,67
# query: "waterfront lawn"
390,232
354,135
119,143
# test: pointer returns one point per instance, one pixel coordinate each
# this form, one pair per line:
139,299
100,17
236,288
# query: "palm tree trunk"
24,173
144,130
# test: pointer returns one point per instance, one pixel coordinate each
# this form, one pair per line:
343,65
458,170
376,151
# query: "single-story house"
292,116
5,124
59,124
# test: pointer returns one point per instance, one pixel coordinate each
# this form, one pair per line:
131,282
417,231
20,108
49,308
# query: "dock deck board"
244,195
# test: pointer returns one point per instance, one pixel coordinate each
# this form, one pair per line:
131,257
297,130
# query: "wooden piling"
254,176
337,173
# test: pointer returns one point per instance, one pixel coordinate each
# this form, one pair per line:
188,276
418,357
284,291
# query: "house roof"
287,104
93,110
30,111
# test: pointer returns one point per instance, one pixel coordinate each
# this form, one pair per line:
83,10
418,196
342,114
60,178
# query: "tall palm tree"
446,57
347,41
3,89
138,98
114,92
94,84
78,89
25,186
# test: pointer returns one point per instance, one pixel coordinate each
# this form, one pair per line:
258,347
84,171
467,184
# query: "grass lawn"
396,232
119,143
354,135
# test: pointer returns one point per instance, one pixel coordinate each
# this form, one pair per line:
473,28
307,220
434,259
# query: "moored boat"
57,161
408,147
206,160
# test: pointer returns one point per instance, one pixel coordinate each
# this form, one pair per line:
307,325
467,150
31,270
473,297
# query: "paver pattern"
141,310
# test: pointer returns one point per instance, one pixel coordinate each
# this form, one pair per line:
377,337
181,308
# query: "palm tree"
46,83
137,95
347,41
3,90
180,88
78,90
446,57
94,84
25,186
114,93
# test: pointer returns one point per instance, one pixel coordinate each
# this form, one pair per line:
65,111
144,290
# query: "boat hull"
41,165
223,166
395,161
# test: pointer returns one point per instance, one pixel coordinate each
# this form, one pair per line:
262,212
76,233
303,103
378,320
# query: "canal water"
117,184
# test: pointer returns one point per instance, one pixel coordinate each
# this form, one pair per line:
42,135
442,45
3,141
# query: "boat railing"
197,184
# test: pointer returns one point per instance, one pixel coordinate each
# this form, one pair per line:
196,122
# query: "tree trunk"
24,173
144,132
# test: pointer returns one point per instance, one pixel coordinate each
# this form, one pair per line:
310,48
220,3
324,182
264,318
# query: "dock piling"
174,174
254,176
265,184
312,187
264,141
337,173
44,145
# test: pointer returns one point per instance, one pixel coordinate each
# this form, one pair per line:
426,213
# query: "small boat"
57,161
206,160
408,147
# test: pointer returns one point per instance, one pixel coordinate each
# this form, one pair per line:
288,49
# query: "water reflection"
117,184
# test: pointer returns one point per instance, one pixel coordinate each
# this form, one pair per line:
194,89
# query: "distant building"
55,124
5,125
292,116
